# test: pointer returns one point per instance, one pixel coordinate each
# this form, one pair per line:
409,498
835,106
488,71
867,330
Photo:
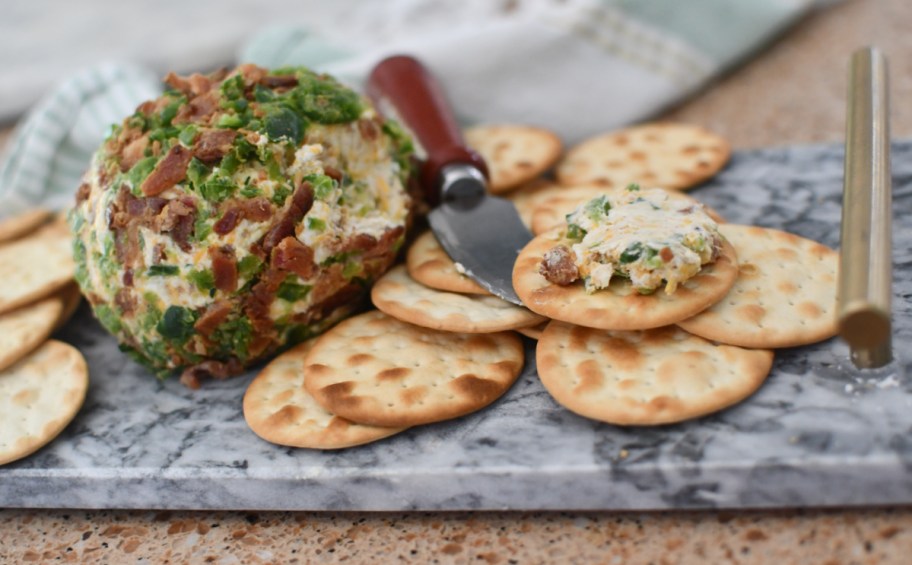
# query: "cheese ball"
237,214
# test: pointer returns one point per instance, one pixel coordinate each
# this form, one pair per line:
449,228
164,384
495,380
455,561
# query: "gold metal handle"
866,272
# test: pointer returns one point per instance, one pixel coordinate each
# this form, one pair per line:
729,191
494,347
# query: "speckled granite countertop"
793,93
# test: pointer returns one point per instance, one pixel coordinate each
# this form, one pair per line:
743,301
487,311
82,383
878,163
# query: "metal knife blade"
482,233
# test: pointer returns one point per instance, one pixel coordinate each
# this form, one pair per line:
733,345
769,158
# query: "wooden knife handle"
402,86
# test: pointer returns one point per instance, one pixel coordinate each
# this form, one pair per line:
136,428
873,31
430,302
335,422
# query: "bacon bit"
173,212
228,221
199,84
213,317
158,253
177,219
292,255
194,85
126,246
285,227
127,135
224,268
301,201
150,107
333,173
218,75
256,209
199,109
279,81
127,277
666,254
125,301
360,242
303,198
171,170
179,83
133,152
82,193
130,209
369,129
213,144
259,344
252,74
558,267
256,308
214,369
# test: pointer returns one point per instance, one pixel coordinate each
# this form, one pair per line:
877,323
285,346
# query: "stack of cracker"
439,346
43,382
631,359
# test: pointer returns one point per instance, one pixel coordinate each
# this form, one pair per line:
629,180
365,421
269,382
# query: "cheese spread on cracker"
641,235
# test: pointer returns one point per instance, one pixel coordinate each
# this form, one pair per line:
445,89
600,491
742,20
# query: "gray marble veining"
815,434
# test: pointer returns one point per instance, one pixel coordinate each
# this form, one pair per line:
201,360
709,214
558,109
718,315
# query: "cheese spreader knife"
481,233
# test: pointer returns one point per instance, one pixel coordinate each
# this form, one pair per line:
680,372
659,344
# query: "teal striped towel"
577,67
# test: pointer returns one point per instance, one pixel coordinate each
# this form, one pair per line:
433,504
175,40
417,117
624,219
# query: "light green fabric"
578,67
721,29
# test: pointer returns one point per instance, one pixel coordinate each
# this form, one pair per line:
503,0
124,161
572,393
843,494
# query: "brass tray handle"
866,272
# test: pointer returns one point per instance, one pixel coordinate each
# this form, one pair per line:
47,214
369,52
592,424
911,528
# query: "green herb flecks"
315,224
282,192
291,291
404,147
598,208
138,173
322,185
177,324
637,251
82,271
282,122
217,188
162,270
108,317
203,279
323,100
233,337
575,233
187,135
249,266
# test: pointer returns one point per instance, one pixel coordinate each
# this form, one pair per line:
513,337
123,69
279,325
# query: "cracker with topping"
626,260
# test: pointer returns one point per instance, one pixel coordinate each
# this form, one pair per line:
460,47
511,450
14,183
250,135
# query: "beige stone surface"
781,537
794,92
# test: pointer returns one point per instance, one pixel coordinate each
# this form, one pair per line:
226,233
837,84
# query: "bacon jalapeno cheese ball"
238,213
640,235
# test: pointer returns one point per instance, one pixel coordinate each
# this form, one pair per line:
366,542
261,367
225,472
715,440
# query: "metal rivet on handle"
866,273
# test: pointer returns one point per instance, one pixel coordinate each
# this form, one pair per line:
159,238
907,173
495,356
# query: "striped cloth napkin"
577,67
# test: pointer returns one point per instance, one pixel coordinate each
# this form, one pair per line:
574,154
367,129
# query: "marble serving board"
816,434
